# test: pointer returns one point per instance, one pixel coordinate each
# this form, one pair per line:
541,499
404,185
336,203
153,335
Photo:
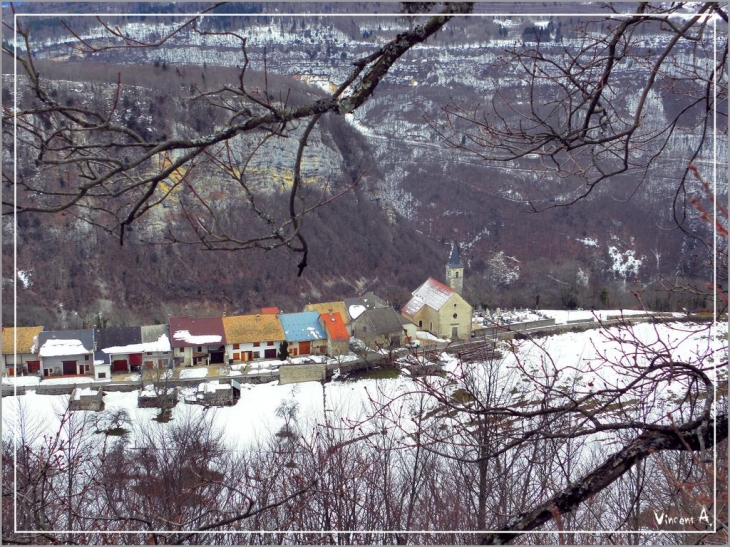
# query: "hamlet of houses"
320,329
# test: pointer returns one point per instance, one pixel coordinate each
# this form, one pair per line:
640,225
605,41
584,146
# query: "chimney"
258,317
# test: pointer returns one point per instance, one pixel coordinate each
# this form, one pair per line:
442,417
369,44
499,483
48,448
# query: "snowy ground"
193,373
254,416
425,335
22,380
36,380
561,316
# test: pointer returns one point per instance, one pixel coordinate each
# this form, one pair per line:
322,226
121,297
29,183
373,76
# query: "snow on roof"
200,331
201,340
356,310
432,294
213,385
302,326
162,344
83,392
58,348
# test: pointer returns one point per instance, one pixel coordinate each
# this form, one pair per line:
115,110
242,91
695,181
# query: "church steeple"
455,270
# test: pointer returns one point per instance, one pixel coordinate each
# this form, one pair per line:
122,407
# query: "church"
438,307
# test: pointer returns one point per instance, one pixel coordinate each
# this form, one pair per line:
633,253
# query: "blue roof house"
303,333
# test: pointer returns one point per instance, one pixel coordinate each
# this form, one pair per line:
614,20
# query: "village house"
66,352
197,341
338,337
26,352
380,327
252,337
131,348
368,301
121,344
303,333
157,347
331,307
102,366
409,328
440,310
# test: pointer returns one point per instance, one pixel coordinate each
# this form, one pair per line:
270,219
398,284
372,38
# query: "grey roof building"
117,336
380,323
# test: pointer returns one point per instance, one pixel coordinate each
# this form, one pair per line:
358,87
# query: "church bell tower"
455,270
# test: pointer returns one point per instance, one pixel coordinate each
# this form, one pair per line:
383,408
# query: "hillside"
415,196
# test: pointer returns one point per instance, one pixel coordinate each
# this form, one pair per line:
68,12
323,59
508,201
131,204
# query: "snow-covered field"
583,361
193,373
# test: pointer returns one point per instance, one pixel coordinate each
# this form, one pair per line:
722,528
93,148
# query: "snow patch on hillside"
24,276
624,263
588,241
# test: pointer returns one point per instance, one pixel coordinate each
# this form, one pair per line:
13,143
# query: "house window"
454,316
255,354
269,343
457,274
236,346
200,349
102,375
256,344
86,357
420,324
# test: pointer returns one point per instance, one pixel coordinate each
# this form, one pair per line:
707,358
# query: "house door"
455,332
120,365
34,366
69,367
217,356
305,348
270,353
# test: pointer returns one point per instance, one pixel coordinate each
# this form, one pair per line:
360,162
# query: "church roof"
455,259
432,293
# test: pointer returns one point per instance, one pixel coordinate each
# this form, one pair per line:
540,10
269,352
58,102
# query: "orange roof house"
335,326
338,337
327,307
